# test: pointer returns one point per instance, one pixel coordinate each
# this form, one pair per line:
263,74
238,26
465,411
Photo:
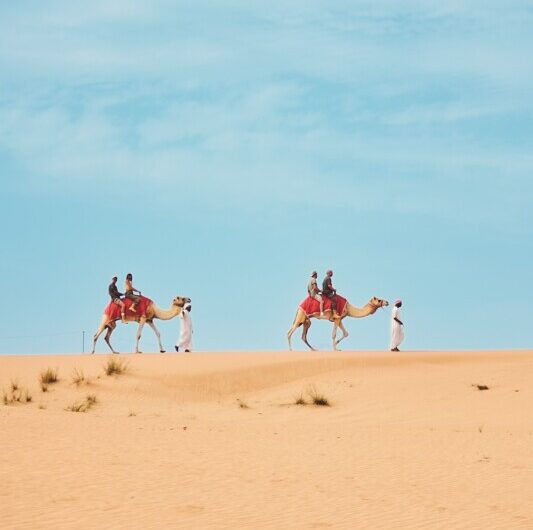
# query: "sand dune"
200,441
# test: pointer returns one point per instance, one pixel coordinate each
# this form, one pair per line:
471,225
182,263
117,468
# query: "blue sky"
223,151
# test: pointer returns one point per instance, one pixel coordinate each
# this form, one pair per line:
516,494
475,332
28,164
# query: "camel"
152,312
349,311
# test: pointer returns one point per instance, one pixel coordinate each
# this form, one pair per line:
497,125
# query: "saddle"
113,310
311,307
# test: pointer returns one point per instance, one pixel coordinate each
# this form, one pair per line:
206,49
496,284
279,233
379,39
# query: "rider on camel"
331,293
115,296
130,290
312,289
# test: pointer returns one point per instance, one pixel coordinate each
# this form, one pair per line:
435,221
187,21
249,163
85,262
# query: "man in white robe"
185,341
397,334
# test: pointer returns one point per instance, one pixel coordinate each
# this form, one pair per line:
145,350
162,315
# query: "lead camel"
303,319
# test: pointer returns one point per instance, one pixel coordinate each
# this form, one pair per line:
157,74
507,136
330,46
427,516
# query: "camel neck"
166,314
360,312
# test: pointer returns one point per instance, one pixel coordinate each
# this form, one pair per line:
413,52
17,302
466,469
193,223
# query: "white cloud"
246,103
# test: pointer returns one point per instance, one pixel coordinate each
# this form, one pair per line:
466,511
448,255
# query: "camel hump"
311,307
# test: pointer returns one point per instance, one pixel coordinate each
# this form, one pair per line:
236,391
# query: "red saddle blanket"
113,310
312,306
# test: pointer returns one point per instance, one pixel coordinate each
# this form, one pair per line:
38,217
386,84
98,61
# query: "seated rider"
115,296
312,289
331,293
129,292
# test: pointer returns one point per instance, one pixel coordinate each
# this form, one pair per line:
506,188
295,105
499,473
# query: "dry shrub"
48,377
299,400
242,404
83,406
317,398
115,366
78,377
16,394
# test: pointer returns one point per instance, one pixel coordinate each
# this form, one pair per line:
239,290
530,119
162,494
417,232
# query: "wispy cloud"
259,104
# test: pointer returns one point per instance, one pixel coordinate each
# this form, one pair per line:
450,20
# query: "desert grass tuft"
317,398
16,394
481,387
83,406
78,377
299,400
115,366
242,404
27,396
48,377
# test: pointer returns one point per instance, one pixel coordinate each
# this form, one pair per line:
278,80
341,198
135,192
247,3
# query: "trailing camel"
145,313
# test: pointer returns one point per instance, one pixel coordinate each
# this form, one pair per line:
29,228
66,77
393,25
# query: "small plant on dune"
317,398
299,400
83,406
44,387
48,377
115,366
481,387
27,396
242,404
78,377
16,394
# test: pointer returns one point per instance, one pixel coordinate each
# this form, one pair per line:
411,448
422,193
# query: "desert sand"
215,440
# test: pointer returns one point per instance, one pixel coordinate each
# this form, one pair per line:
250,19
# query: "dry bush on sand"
242,404
16,394
78,377
48,377
299,400
83,406
317,398
115,366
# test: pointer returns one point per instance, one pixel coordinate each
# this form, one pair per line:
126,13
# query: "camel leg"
294,327
99,331
307,325
110,328
344,334
299,319
158,335
139,333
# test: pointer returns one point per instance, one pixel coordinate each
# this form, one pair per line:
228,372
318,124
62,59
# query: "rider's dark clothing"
114,292
329,292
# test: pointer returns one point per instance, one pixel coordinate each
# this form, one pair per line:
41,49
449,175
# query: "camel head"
378,302
180,301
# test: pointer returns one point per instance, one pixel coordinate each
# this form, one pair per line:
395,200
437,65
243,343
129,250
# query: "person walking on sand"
130,292
331,293
185,340
115,296
312,289
397,334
